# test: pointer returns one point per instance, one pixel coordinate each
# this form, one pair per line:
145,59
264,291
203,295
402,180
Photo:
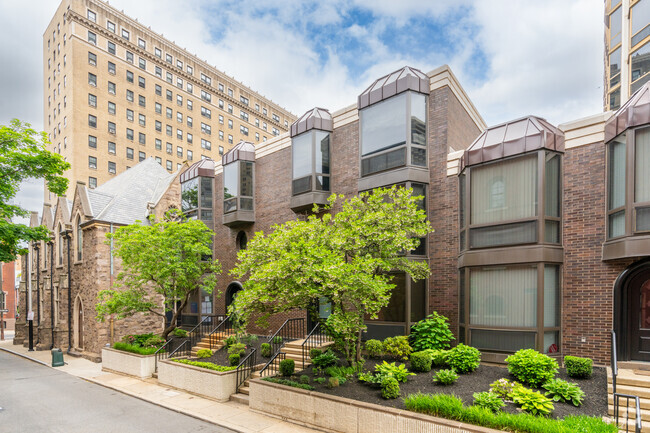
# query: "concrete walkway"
235,416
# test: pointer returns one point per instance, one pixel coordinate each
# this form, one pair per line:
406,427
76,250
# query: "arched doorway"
78,327
231,292
632,312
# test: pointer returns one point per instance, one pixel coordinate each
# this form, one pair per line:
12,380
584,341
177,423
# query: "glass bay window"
238,185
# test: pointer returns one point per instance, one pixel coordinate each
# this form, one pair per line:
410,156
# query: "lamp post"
51,248
37,247
66,234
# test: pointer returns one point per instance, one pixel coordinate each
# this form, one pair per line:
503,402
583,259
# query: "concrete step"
643,393
240,398
243,390
645,414
629,427
644,403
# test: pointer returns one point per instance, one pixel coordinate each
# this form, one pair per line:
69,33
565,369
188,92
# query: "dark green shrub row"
289,383
207,365
450,407
126,347
144,340
287,367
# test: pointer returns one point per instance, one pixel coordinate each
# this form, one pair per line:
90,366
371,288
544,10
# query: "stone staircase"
218,341
632,379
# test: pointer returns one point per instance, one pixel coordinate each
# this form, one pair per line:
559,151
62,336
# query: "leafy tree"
23,155
347,258
168,259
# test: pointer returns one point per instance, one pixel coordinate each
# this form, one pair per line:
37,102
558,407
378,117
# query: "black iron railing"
183,349
246,367
223,329
162,353
316,338
291,329
631,415
203,328
614,361
272,367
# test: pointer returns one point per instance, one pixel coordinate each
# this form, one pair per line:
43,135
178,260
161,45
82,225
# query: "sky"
512,57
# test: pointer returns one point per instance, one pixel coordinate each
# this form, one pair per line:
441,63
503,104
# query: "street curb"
4,349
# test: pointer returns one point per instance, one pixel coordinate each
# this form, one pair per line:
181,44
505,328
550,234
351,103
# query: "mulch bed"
594,402
220,357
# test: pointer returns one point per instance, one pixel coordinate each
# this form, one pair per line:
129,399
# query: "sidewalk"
235,416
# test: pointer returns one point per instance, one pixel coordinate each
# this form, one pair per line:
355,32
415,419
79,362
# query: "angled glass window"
238,186
311,162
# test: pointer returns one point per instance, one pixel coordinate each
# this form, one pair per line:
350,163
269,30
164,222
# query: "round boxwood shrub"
532,367
463,359
304,379
265,349
204,353
389,388
421,361
398,347
234,359
374,348
287,367
580,368
313,353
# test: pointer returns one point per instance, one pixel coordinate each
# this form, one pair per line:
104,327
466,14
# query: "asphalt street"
38,399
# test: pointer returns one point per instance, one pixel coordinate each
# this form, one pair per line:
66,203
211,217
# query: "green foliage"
325,359
445,377
126,347
23,155
345,257
532,367
389,388
370,378
234,359
397,347
320,380
333,382
265,349
287,367
431,333
421,361
398,372
561,390
375,348
587,424
488,400
533,402
207,365
313,353
203,353
503,387
249,339
290,383
438,357
173,270
580,368
230,341
239,348
342,373
304,379
277,339
154,341
144,340
464,359
179,332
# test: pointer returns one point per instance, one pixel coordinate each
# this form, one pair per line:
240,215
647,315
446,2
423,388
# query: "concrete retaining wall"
141,366
214,384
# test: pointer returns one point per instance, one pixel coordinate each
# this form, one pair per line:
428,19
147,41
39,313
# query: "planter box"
337,414
141,366
209,383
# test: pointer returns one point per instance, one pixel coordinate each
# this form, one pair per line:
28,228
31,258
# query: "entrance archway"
231,292
78,327
632,312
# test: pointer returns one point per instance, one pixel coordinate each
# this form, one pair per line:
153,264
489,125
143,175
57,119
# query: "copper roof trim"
204,167
243,151
316,118
513,138
404,79
635,112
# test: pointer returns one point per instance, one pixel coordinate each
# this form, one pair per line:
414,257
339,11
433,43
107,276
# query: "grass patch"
126,347
206,365
289,383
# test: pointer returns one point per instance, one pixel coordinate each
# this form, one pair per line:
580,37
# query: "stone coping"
462,427
137,355
200,369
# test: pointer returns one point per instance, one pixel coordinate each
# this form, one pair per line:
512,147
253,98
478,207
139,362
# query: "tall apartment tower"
116,92
627,49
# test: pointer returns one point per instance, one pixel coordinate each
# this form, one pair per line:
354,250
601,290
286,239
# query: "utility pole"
30,313
2,303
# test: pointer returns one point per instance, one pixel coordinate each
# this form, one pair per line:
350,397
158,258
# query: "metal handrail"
171,355
290,329
201,329
245,368
271,368
313,340
160,353
638,425
614,361
226,324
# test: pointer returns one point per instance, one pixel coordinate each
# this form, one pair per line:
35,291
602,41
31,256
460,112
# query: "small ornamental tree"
171,258
345,257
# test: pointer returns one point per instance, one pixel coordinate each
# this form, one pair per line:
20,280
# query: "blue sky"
512,57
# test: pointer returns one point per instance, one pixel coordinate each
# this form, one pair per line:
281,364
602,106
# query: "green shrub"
230,340
320,380
265,350
325,359
287,367
397,347
389,388
438,357
503,387
398,372
304,379
532,367
445,377
290,383
249,339
238,348
126,347
533,402
155,341
561,390
207,365
488,400
421,361
342,373
277,339
374,348
179,332
431,333
203,353
464,359
313,353
580,368
140,339
333,382
234,359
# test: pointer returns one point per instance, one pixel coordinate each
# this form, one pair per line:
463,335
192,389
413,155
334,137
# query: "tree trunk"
358,357
172,324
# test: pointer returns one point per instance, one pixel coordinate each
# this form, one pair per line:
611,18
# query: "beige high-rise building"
627,49
116,92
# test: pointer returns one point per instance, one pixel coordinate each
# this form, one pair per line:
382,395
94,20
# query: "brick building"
8,286
70,269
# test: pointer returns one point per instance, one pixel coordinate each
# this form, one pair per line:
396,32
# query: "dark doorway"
639,315
231,292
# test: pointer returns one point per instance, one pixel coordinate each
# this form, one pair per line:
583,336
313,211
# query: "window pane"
617,172
419,157
643,219
505,234
418,300
551,338
230,181
615,24
418,119
617,224
461,189
189,194
615,67
551,296
461,296
507,341
503,296
246,178
552,231
552,186
322,152
385,161
394,311
206,192
640,13
322,183
640,66
301,152
641,166
383,125
504,191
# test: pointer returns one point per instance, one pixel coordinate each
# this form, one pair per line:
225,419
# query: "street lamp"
66,234
50,245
